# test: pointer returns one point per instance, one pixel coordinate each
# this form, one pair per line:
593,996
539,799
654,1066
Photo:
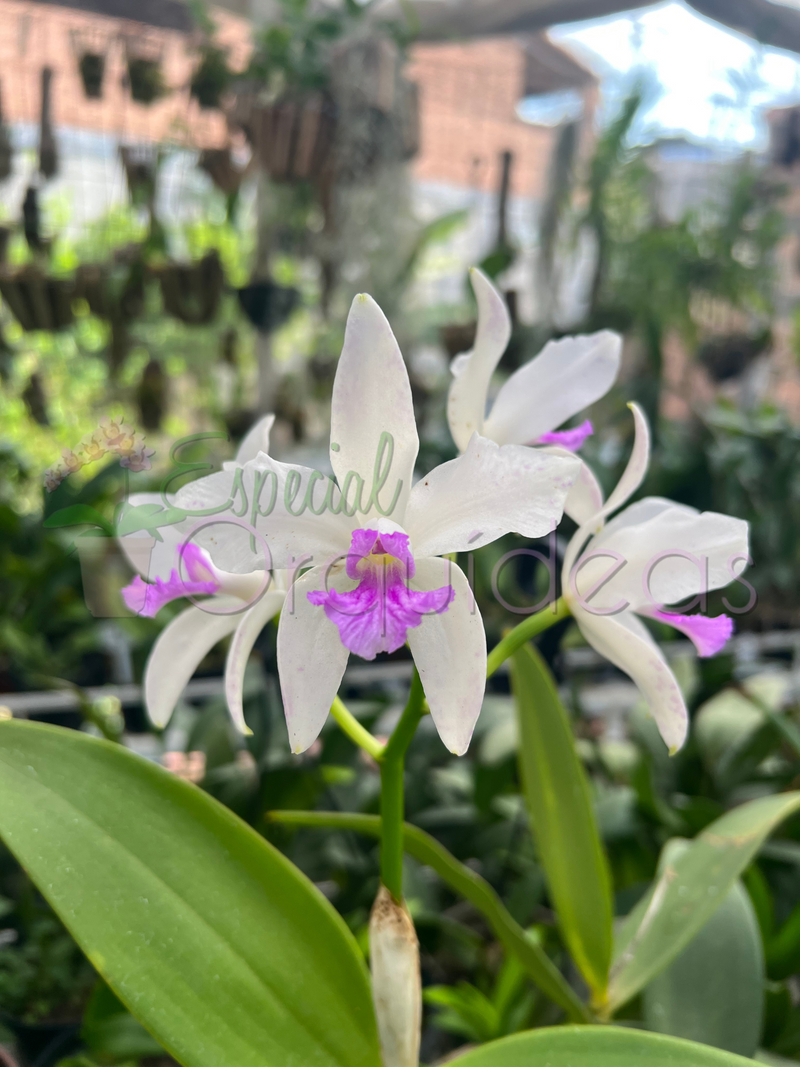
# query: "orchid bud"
396,985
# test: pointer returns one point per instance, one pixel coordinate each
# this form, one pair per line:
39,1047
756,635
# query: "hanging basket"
191,292
141,164
292,137
90,48
211,78
219,166
36,300
267,304
6,150
144,77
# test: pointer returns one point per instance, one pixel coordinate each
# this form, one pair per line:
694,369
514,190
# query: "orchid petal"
709,635
372,398
585,498
148,599
179,650
567,376
631,479
311,658
250,626
472,371
626,642
449,650
572,439
674,552
292,509
256,440
489,491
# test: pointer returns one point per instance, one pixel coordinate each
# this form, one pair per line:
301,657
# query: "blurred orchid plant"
226,953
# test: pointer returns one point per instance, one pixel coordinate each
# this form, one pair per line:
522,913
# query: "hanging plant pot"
211,78
292,137
219,166
36,300
151,396
191,292
144,77
267,304
90,47
92,68
141,165
6,151
48,150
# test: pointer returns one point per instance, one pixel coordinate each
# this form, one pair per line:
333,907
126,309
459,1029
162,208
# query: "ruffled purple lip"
376,615
709,636
569,439
147,599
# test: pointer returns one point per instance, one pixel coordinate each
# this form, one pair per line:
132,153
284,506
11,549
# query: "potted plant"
211,77
90,46
144,78
191,291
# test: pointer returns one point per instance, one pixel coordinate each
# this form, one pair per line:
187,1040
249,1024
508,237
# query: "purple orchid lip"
147,599
708,635
376,615
569,439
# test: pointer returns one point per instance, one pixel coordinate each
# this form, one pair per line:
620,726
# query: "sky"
696,63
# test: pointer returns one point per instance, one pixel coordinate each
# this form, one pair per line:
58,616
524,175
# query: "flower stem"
524,631
468,884
355,731
392,800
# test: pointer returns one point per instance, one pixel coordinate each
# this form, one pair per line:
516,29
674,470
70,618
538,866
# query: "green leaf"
688,892
783,950
563,820
78,515
596,1046
148,517
208,935
713,991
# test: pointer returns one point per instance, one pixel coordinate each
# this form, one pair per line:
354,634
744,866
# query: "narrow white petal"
256,440
630,481
311,658
250,626
472,371
672,553
449,650
277,500
585,498
625,641
372,397
567,376
489,491
179,650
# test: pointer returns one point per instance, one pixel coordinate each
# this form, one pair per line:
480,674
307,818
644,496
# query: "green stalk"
355,731
467,884
392,800
524,631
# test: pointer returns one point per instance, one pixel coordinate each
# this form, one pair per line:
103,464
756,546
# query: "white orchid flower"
654,553
567,376
239,604
372,541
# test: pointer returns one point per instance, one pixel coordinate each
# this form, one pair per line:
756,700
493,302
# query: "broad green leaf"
713,991
209,936
563,821
78,515
149,517
596,1046
689,890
